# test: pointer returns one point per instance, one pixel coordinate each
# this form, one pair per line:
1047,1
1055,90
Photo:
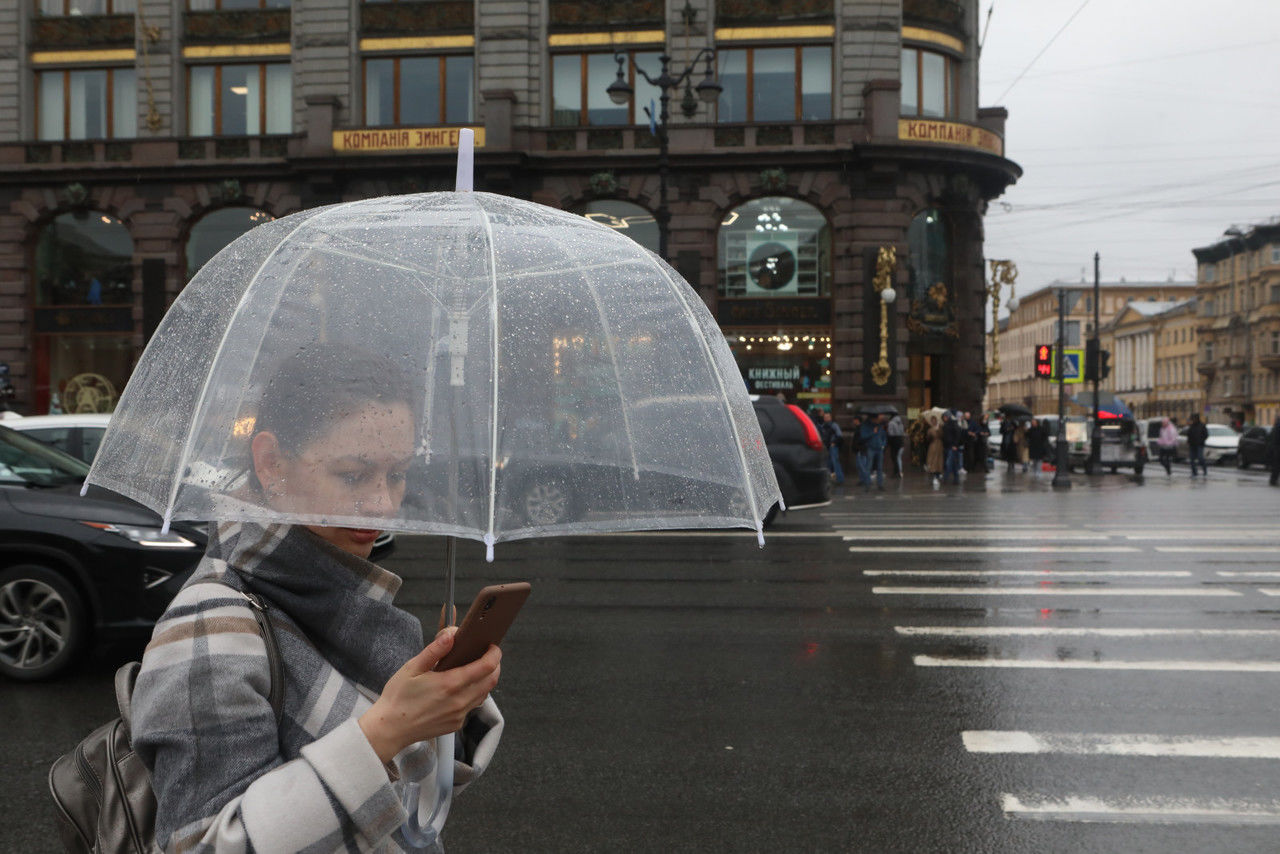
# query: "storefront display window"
83,313
774,247
216,229
630,219
794,363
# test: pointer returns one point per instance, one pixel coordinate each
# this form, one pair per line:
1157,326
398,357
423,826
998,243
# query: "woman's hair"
322,383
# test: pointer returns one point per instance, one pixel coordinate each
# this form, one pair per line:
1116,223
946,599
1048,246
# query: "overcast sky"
1145,129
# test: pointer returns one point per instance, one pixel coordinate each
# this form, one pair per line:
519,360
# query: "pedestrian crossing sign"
1072,366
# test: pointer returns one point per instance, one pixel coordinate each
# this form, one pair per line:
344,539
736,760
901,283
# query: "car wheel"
546,502
43,624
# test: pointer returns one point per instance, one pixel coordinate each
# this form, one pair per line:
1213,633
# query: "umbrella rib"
204,388
617,377
373,257
715,371
493,412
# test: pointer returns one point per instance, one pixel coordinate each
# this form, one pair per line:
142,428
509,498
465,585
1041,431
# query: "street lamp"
708,91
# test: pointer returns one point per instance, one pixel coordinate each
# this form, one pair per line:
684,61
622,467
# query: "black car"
76,570
1253,447
796,449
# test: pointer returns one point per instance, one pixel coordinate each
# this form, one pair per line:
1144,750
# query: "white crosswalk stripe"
1056,591
1161,810
1034,573
1122,744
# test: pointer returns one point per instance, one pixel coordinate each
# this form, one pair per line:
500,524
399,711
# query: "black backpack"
102,789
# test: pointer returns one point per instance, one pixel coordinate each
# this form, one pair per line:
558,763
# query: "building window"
83,289
418,90
1208,351
579,84
58,8
929,254
1275,254
216,229
99,103
774,247
239,100
775,84
928,84
627,218
1275,341
1207,272
1073,333
227,5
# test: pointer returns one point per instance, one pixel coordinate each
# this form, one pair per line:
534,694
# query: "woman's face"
355,468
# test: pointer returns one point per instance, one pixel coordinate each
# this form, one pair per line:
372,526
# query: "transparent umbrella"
557,378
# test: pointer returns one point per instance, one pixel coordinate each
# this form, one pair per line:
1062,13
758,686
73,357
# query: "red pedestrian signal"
1044,361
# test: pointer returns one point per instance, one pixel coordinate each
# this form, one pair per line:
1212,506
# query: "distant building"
139,137
1036,322
1152,346
1238,293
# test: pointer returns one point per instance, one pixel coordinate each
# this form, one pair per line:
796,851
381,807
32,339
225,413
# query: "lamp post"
708,91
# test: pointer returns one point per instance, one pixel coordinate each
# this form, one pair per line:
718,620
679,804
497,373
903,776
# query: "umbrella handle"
425,834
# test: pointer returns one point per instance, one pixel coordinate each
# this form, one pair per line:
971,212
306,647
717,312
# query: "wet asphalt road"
990,668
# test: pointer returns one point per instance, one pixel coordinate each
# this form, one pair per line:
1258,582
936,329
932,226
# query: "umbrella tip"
466,158
488,548
84,489
168,517
759,536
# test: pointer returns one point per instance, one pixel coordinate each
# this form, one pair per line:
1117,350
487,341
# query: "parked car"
76,570
796,450
77,435
1123,445
1252,447
1219,448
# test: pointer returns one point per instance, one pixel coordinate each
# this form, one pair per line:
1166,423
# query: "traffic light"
1044,361
1097,362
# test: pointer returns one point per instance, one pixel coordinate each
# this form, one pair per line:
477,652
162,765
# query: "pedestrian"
350,763
933,459
970,426
1037,445
873,445
983,450
1167,444
1197,435
833,438
855,447
952,447
1273,453
895,433
1021,449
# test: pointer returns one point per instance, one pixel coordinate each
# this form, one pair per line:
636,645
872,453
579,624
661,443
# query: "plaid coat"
226,778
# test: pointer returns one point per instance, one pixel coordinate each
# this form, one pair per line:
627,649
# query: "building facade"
1152,346
1035,322
144,135
1238,293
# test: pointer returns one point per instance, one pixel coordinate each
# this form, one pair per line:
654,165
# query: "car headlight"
149,537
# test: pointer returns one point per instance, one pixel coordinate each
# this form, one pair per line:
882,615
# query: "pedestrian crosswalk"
1119,614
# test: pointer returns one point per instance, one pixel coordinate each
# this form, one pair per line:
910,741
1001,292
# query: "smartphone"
491,613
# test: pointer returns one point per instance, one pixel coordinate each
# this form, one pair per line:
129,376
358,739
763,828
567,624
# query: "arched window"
216,229
774,247
630,219
83,313
930,261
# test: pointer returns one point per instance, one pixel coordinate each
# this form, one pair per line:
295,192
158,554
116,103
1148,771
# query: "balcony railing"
133,152
417,16
79,31
236,25
934,14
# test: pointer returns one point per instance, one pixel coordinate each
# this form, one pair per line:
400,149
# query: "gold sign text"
950,133
383,140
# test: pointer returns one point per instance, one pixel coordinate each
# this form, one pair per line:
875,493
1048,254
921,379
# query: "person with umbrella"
895,434
352,756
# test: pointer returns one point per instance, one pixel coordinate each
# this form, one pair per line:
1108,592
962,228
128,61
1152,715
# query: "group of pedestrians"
872,437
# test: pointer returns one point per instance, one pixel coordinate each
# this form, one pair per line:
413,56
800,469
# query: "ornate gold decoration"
150,36
886,261
938,293
1003,272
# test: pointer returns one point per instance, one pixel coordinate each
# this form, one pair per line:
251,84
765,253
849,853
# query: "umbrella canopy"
1109,406
467,364
878,409
1014,410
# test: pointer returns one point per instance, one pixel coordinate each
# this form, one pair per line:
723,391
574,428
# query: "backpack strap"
276,697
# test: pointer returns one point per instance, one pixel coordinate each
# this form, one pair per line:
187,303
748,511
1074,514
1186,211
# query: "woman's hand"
418,703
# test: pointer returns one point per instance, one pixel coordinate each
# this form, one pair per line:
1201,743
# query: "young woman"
353,759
